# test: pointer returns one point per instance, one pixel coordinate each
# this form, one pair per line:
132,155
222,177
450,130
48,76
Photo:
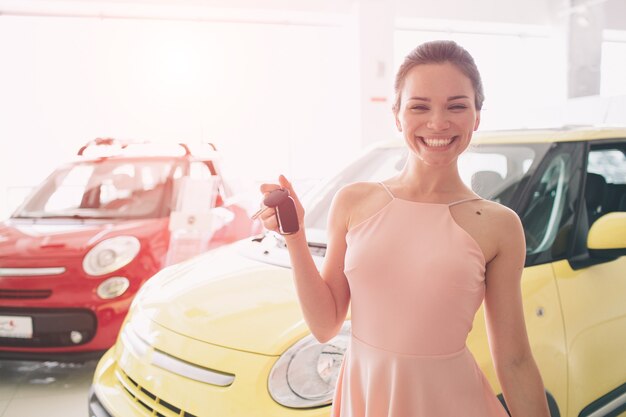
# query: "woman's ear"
398,124
477,121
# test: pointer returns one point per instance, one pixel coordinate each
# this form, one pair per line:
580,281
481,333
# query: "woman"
415,255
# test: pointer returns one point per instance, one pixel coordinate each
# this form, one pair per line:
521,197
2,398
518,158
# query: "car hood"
22,239
239,296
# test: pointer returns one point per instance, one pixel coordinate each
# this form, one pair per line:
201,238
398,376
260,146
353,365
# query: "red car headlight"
111,255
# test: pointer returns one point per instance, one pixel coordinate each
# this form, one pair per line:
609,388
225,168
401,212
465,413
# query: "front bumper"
53,327
97,325
95,407
127,383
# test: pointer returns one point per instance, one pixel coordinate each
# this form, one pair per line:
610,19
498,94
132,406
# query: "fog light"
76,337
113,287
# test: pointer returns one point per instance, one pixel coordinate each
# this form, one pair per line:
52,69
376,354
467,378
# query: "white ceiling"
527,12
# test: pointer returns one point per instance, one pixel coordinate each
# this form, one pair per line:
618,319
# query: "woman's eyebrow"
456,97
427,99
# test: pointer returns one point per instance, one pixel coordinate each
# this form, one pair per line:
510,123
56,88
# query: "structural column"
374,30
585,25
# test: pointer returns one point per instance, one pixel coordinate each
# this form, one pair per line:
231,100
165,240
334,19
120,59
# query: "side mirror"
607,236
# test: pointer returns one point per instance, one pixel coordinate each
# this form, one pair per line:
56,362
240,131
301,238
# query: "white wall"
534,12
254,90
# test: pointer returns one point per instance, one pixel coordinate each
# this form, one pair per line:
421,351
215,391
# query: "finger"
270,223
266,188
268,213
284,182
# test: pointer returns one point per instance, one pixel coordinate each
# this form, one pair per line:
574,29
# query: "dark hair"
439,52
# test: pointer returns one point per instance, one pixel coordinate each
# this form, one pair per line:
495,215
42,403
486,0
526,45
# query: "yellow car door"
593,293
546,205
548,210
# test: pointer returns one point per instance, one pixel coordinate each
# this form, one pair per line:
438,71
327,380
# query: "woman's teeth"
437,143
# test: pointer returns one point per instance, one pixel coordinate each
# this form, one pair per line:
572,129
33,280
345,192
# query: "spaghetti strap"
464,200
387,189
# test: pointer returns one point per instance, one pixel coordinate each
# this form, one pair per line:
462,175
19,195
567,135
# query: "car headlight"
306,374
112,287
111,255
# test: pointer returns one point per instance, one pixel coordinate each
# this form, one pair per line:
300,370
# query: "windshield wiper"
62,216
21,216
316,248
68,216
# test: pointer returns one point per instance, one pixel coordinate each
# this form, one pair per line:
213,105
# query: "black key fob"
285,207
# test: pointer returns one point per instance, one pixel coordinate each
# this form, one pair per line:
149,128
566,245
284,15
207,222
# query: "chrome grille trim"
177,366
190,371
155,405
610,407
30,272
134,342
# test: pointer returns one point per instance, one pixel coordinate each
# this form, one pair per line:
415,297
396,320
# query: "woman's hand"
268,216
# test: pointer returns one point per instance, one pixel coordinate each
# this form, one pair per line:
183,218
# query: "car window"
102,188
550,203
118,184
605,190
69,188
199,171
495,172
610,163
547,204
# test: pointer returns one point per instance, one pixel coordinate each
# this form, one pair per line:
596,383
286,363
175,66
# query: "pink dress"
416,281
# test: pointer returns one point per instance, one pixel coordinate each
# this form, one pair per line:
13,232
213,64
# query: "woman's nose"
438,121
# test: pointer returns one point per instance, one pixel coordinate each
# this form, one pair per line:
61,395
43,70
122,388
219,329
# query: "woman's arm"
324,297
515,366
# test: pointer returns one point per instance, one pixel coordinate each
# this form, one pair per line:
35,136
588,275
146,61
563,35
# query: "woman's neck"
419,179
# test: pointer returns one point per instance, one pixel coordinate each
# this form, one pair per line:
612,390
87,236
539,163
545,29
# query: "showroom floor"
44,388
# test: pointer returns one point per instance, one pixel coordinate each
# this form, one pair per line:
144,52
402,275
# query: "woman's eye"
420,108
458,107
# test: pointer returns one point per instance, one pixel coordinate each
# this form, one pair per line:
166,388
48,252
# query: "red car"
75,253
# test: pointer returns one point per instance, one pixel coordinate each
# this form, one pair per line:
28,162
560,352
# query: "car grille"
52,327
25,294
96,409
155,405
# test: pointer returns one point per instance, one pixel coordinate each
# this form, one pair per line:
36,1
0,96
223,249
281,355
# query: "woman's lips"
436,142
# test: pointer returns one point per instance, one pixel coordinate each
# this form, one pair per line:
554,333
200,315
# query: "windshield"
495,172
107,188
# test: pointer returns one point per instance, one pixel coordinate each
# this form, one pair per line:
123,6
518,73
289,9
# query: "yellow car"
222,335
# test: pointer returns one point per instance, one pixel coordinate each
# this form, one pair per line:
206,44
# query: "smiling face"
437,113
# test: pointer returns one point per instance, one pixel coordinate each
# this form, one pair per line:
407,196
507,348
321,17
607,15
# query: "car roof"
109,148
134,158
139,156
562,134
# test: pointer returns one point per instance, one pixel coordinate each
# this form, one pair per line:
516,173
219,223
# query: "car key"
285,207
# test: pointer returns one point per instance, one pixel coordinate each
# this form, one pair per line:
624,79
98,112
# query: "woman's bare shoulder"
359,200
356,191
348,199
503,222
500,211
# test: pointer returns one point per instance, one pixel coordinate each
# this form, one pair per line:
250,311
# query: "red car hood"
22,239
